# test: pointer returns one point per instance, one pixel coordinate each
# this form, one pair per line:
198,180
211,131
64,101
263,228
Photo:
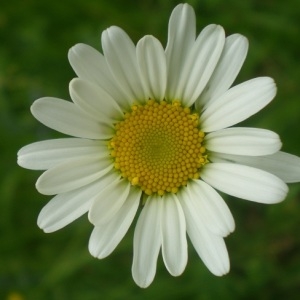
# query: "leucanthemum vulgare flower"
152,127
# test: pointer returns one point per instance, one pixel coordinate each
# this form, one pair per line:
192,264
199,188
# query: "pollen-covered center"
158,146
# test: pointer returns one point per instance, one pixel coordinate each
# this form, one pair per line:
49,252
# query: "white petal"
95,101
200,64
181,37
66,117
107,203
238,104
73,174
46,154
90,65
174,243
211,248
67,207
87,62
120,54
211,208
228,67
284,165
245,182
243,141
153,67
105,238
147,242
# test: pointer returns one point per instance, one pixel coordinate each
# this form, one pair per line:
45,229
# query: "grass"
35,38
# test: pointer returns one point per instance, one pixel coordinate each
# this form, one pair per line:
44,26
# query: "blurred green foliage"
35,37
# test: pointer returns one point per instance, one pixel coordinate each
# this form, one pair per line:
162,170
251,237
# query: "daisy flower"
152,127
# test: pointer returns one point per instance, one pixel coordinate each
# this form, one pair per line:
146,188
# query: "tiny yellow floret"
135,181
158,147
160,192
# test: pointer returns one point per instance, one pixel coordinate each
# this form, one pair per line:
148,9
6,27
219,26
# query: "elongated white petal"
106,237
95,101
200,64
181,37
211,208
174,243
107,203
153,67
73,174
284,165
238,104
245,182
211,248
228,67
66,117
243,141
90,65
46,154
67,207
120,54
147,242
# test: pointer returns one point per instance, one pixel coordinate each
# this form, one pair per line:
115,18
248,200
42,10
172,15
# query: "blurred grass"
35,38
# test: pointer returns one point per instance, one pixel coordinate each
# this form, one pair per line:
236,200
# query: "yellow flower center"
158,146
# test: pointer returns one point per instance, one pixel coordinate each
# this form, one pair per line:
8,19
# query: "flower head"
153,126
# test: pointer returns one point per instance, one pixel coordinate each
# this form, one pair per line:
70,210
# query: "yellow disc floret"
158,147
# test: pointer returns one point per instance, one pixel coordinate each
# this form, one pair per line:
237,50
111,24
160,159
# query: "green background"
34,40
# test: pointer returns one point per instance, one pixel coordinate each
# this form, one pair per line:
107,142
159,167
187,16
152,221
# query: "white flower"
153,125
